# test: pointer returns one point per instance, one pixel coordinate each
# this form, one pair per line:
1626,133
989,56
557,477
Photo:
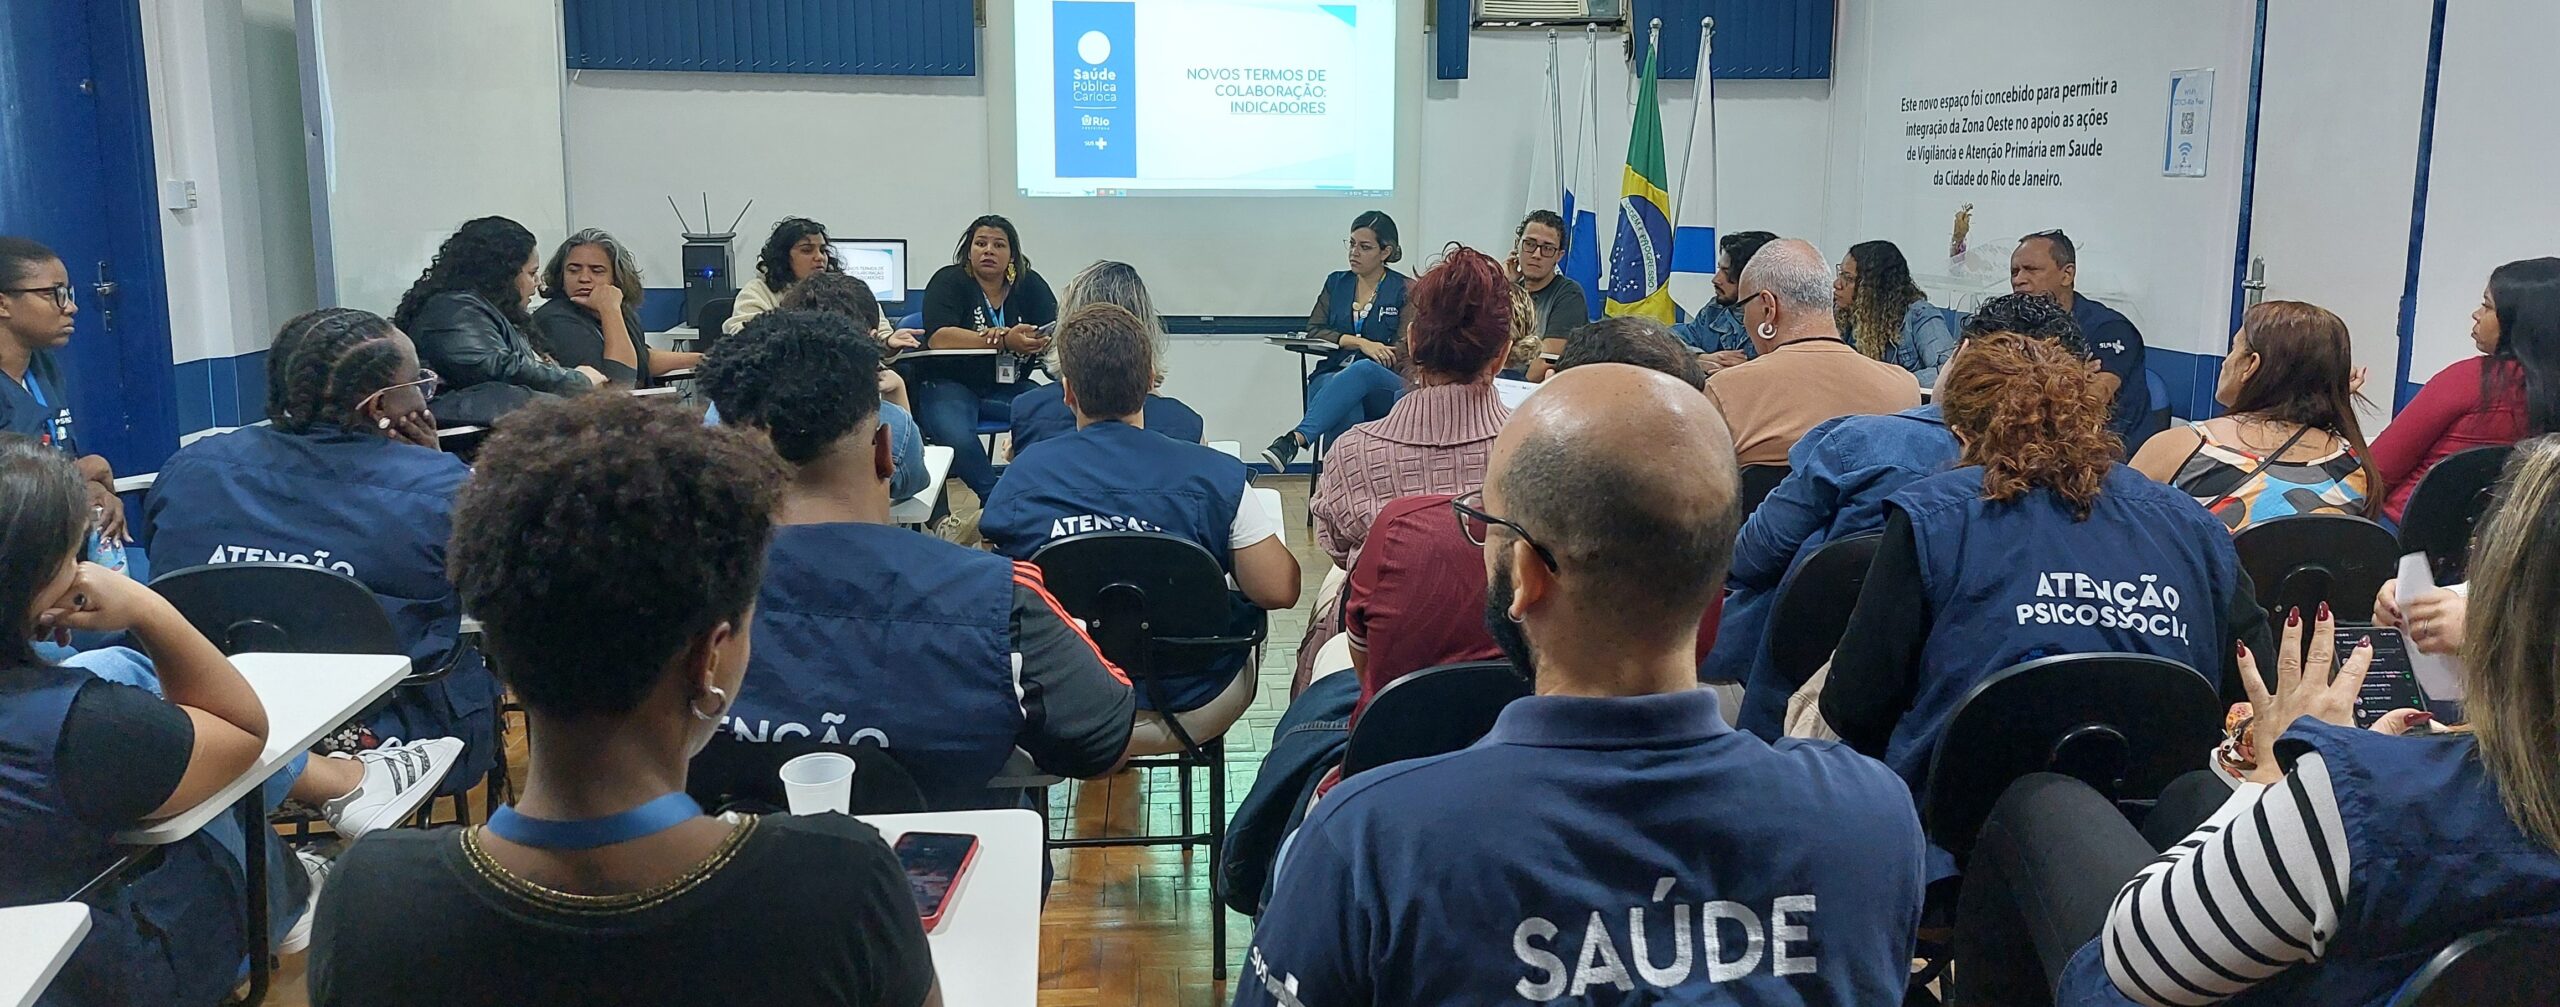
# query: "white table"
464,430
918,509
306,695
40,939
987,950
651,393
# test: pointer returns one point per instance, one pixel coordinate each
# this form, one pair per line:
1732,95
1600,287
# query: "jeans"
950,411
287,886
1338,400
2051,858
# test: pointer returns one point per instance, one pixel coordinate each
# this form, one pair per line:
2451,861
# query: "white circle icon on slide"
1094,47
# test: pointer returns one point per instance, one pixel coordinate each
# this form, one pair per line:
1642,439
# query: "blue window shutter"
929,38
1755,39
1457,21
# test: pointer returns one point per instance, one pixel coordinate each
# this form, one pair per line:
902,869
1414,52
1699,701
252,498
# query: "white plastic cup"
819,782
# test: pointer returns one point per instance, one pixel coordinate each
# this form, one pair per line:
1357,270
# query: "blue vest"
2148,573
1569,857
1042,413
170,934
1384,322
372,508
1116,477
872,632
2432,856
39,409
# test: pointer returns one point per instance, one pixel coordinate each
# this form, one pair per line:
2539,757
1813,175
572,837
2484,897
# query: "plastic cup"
819,782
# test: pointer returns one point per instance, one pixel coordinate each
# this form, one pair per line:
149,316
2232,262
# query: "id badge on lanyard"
1007,370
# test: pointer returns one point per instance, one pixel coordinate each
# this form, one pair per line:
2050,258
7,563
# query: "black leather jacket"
467,342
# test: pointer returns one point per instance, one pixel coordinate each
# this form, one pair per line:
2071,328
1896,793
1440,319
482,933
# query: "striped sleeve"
2256,890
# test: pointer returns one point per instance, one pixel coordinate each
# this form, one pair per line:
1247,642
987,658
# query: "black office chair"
1157,605
293,608
2497,967
2302,560
2447,506
1813,604
733,775
1434,711
707,322
2125,724
1757,483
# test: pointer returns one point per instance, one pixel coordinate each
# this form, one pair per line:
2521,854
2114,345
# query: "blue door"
76,173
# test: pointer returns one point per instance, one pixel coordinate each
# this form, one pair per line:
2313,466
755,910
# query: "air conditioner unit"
1550,10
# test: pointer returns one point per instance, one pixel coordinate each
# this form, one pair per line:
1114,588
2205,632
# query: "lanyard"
995,312
659,815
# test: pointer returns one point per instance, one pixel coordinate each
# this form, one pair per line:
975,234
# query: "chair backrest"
2156,418
707,322
1137,591
1757,482
280,608
2301,560
2125,724
2447,505
2498,967
729,774
1813,605
1431,712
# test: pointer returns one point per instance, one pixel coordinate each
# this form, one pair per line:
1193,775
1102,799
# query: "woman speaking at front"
1362,311
988,298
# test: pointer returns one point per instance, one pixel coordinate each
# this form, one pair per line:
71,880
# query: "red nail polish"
2240,650
2324,611
2365,644
2293,617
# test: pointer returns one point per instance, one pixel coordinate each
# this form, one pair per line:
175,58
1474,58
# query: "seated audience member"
1362,311
2509,392
613,547
2039,544
1042,413
37,305
2048,263
1558,304
1716,331
467,314
796,250
849,297
1631,339
1803,374
345,476
591,317
1886,316
989,297
2290,443
2367,853
1112,475
1839,477
1508,868
89,750
1437,437
955,655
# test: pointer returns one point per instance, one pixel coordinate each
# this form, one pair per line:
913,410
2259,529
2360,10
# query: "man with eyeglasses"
2048,263
1611,839
36,311
1562,306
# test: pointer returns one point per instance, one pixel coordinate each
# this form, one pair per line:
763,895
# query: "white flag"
1693,233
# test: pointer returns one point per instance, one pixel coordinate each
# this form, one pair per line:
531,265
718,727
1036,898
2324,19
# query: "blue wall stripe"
864,37
222,391
2418,211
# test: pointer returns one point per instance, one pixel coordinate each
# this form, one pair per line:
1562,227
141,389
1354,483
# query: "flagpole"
1584,147
1706,96
1555,115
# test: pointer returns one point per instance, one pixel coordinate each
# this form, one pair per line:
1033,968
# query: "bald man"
1805,373
1612,839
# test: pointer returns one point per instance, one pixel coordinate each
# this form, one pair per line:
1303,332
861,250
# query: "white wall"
2489,198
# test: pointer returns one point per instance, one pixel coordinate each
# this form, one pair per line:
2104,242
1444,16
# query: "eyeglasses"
1478,525
1362,246
60,292
1533,246
427,384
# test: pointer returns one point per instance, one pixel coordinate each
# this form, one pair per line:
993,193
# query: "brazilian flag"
1640,261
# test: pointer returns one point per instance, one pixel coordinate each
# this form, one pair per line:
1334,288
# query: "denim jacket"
1928,339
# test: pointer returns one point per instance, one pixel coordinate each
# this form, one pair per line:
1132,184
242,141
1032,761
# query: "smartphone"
935,862
2392,682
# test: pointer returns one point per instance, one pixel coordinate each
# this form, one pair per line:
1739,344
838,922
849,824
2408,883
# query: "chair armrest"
136,484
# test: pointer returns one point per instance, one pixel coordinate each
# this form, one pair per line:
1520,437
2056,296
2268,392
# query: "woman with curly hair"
1886,316
796,250
467,314
2038,543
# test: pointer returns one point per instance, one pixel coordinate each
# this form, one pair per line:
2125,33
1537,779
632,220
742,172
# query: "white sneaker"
318,867
397,778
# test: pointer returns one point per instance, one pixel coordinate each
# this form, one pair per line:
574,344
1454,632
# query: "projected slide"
1140,97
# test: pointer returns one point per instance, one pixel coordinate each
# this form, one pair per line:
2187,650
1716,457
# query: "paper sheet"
2438,674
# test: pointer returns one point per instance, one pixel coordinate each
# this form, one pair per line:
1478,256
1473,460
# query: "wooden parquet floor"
1125,926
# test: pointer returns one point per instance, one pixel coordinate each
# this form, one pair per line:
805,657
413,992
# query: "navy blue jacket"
1384,322
2118,346
39,408
1042,413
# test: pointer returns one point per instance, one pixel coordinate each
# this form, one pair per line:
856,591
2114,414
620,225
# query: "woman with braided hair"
467,311
345,477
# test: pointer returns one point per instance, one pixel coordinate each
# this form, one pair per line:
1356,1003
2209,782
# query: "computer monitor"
880,262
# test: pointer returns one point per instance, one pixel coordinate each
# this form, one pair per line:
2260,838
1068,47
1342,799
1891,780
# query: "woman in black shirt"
467,315
614,546
987,298
592,315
